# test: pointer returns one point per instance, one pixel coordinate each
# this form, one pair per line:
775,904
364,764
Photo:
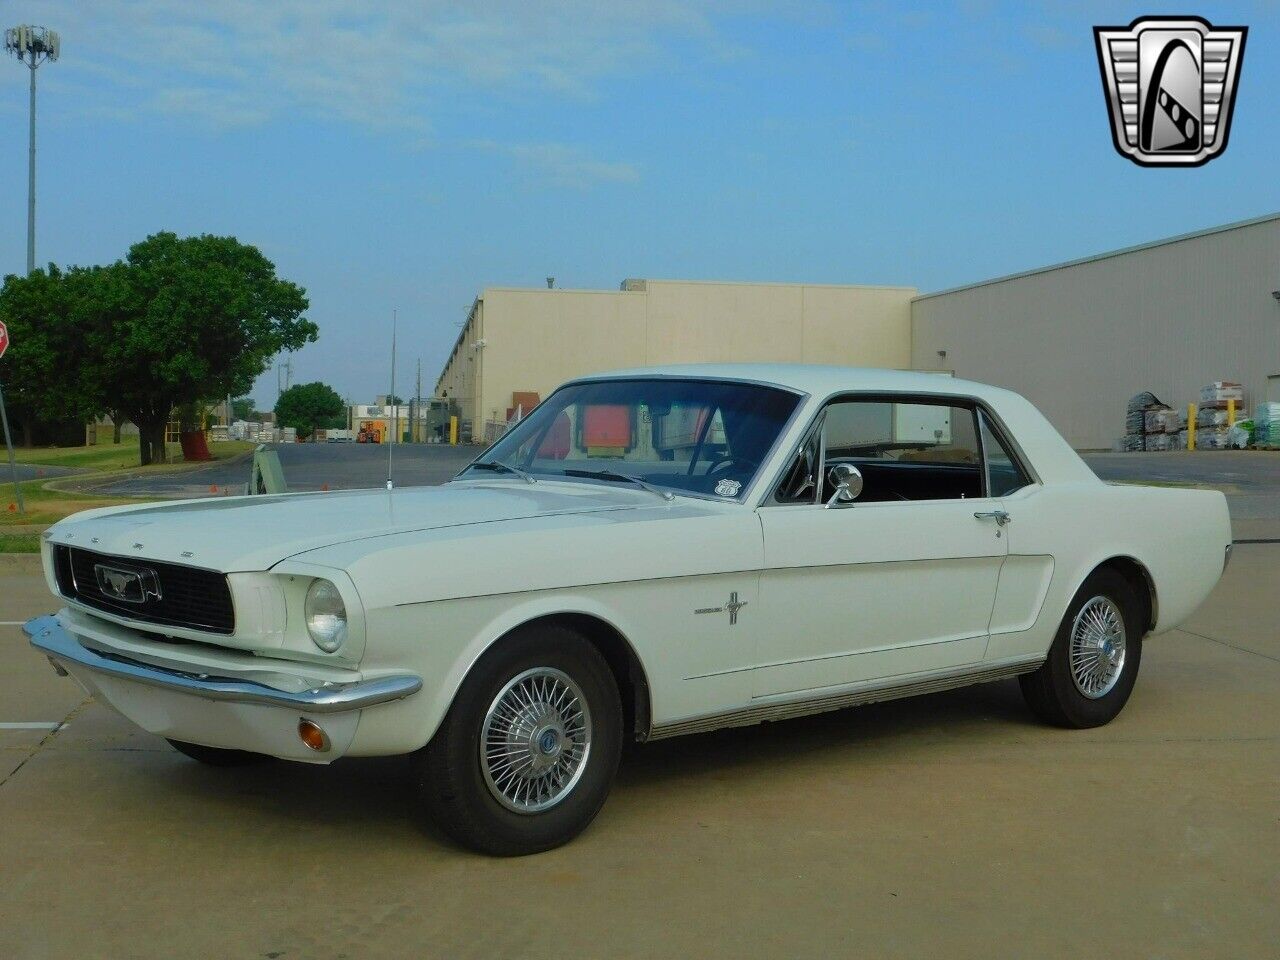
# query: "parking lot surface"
948,826
312,466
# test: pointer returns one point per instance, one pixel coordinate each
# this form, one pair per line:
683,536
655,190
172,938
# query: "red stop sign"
4,338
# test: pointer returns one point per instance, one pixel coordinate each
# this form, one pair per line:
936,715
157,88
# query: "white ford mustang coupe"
648,553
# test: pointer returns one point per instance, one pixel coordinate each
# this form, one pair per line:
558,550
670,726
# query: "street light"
33,46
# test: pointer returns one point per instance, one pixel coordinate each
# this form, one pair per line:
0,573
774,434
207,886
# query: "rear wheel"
217,756
1093,663
525,757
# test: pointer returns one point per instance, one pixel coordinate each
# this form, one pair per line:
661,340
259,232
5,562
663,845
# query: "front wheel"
525,757
1093,663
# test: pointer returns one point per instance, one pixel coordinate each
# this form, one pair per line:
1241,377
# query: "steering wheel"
724,463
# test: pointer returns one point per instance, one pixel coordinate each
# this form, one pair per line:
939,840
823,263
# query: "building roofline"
1195,235
776,283
704,283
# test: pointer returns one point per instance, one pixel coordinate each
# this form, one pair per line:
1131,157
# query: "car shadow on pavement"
378,793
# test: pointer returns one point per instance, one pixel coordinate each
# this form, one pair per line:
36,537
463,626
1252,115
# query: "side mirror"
847,481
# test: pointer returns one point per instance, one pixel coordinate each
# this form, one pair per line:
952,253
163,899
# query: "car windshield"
704,437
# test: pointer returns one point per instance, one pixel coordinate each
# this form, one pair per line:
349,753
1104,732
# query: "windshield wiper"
499,467
614,475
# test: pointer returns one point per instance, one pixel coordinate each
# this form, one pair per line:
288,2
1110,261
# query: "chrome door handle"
999,516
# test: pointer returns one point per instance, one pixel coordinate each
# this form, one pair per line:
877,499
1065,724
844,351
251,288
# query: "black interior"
885,480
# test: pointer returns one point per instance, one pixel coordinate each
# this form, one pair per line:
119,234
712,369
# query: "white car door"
901,580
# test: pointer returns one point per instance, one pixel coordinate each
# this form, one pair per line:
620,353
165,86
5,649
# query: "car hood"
255,533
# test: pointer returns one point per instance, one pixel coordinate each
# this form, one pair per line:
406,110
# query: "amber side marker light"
313,736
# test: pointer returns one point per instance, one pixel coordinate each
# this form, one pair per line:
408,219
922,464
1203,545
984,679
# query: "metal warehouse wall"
1079,339
535,339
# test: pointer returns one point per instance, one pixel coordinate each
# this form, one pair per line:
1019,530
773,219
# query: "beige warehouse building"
1078,338
521,341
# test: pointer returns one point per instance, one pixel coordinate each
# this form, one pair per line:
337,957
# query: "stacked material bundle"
1266,426
1135,421
1160,419
1217,394
1240,436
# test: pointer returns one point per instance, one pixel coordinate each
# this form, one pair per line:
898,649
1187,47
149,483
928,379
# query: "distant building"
1078,338
517,344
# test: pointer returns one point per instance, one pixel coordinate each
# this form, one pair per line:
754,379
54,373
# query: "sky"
404,154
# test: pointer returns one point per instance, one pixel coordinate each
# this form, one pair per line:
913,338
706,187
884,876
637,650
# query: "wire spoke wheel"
535,740
1097,649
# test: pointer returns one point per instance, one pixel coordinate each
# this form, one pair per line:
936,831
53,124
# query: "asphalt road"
312,466
1250,479
947,826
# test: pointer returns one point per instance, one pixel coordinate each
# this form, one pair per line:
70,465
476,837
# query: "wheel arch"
1139,578
628,671
624,663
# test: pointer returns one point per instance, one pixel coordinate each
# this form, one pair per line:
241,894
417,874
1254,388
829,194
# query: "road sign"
4,338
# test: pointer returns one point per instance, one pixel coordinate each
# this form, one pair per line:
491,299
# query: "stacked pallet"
1266,426
1213,418
1135,420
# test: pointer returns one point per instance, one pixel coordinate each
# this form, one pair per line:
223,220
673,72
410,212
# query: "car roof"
816,379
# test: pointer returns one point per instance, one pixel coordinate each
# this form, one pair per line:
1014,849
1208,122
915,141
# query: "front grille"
189,597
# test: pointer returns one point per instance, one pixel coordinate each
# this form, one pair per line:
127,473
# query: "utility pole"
395,407
32,46
417,406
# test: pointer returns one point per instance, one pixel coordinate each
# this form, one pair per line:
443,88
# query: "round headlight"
326,616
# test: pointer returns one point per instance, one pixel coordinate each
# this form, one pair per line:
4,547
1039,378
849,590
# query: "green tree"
184,321
308,407
242,408
40,371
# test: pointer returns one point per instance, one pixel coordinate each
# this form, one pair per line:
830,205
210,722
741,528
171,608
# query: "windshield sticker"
728,488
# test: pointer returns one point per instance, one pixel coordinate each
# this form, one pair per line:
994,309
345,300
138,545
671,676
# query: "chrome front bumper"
64,650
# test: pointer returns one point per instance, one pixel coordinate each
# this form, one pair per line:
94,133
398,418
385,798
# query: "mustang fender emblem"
733,606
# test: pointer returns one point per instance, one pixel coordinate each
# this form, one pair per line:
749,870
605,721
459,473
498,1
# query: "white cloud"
378,62
563,164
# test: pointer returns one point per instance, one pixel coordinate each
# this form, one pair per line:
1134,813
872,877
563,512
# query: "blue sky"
406,154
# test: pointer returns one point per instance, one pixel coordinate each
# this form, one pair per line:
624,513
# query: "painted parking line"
12,623
37,725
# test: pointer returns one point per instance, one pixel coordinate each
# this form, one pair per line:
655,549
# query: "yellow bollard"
1191,426
1231,411
453,431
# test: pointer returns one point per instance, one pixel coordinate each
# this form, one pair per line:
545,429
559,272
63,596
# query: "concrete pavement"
948,826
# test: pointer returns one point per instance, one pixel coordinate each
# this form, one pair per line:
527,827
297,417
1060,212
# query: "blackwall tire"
1093,662
527,754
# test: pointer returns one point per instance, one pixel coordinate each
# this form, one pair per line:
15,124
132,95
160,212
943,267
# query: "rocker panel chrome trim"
909,686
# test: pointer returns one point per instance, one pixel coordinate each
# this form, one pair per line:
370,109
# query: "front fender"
443,640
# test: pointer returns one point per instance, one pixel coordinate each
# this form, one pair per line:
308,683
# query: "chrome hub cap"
1097,647
535,740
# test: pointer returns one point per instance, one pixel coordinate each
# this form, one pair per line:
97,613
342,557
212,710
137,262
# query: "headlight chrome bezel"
325,615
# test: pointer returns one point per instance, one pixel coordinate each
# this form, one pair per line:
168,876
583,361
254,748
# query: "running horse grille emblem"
733,606
127,586
1170,84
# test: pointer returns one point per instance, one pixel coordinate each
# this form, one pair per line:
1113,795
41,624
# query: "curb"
20,563
87,483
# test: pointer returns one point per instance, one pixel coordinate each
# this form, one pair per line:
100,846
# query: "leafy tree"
40,370
178,323
309,406
184,321
242,409
393,400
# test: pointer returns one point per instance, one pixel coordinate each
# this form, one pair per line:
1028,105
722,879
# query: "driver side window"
904,451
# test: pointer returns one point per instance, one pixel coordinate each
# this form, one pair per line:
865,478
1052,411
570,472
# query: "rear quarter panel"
1178,535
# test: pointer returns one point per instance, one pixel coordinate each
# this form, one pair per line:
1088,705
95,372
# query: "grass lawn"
19,543
110,456
45,507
